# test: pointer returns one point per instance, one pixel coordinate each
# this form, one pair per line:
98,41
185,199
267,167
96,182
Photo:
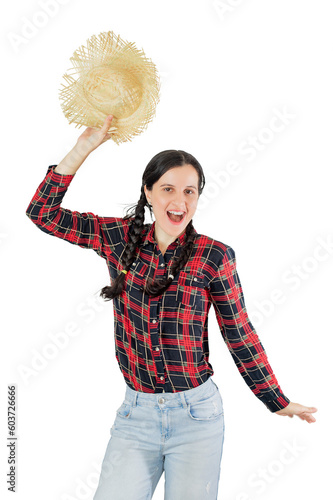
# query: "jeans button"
161,400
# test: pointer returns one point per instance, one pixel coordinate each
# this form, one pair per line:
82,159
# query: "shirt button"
157,348
154,320
161,378
161,400
195,279
162,265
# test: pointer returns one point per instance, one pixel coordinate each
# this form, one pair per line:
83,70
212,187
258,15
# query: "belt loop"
183,400
135,398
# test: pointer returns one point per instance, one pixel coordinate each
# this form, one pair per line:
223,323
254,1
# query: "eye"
188,190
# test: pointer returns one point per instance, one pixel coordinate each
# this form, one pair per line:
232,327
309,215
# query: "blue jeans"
180,433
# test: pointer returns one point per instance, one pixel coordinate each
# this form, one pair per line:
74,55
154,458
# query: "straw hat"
112,77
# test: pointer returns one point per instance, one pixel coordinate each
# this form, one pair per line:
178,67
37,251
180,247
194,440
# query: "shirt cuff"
277,404
58,179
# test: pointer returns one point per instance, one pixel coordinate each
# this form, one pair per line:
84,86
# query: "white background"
227,69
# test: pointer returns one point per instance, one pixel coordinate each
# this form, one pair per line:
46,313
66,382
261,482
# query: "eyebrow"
174,186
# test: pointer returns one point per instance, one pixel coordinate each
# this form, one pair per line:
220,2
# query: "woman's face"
176,190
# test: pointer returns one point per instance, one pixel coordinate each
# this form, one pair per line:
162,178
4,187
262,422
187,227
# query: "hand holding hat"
91,138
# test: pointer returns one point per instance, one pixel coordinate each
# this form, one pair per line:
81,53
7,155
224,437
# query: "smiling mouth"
175,218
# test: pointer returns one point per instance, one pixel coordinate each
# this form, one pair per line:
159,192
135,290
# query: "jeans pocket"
125,410
206,409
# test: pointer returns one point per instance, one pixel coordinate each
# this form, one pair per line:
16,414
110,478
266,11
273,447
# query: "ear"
146,193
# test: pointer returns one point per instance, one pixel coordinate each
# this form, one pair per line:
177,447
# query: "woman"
165,277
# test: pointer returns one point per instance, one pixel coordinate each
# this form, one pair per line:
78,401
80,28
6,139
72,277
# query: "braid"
129,254
151,288
157,166
159,287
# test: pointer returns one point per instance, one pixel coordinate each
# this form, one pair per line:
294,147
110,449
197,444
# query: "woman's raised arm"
89,140
45,211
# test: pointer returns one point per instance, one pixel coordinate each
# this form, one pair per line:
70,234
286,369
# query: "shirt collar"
149,237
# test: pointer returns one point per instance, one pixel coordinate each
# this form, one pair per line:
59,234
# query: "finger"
307,416
308,409
106,124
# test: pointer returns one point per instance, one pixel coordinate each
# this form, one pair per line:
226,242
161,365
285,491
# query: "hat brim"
111,76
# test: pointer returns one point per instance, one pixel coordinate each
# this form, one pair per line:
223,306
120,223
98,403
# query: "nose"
178,202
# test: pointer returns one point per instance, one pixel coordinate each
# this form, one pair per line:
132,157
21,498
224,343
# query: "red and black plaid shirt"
161,343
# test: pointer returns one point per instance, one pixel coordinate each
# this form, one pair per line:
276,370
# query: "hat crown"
112,91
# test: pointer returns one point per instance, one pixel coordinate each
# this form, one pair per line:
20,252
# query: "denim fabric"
180,433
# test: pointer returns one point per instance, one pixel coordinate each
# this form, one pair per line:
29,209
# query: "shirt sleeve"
240,336
83,229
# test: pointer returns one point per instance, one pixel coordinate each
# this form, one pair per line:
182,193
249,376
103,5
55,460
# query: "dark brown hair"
157,166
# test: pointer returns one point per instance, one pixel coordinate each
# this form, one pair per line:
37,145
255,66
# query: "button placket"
158,359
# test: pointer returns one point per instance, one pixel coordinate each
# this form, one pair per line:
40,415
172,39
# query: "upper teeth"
175,213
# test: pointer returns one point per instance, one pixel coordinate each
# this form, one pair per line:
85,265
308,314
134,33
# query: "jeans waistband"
172,399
